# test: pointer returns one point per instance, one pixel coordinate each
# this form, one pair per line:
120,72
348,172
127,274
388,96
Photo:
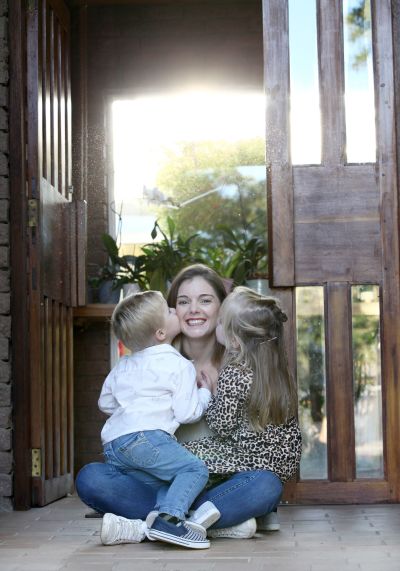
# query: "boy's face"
172,325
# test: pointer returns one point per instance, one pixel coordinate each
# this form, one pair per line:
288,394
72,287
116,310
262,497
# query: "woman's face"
197,308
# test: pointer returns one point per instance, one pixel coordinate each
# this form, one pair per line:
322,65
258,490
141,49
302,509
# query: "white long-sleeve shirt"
153,389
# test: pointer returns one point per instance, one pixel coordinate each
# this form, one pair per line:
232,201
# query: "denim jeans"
156,459
106,488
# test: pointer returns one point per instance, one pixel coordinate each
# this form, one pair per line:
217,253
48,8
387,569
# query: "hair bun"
279,314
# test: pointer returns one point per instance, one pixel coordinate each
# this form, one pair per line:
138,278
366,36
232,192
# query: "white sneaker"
268,522
205,515
117,529
244,530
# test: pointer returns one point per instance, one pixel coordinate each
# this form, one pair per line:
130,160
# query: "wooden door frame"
19,248
385,13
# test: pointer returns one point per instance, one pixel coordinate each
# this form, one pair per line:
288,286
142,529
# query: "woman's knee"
87,479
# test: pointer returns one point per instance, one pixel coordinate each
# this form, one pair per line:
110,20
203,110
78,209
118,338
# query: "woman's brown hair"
213,279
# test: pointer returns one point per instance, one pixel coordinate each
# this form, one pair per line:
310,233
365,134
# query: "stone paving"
312,538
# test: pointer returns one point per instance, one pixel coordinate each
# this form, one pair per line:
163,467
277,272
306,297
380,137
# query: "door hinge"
36,462
32,213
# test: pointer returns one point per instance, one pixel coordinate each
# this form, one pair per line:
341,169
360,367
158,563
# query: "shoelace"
125,529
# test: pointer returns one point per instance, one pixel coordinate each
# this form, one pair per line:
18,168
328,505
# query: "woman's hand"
204,381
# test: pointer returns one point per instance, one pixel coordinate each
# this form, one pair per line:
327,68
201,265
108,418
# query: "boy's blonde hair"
253,328
137,317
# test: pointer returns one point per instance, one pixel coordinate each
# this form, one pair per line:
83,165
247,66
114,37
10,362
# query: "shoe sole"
212,518
209,520
271,527
176,540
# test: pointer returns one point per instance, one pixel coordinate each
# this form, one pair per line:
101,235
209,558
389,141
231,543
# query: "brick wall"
91,346
139,49
6,459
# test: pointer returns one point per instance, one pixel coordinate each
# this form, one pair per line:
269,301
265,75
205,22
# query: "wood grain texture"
357,492
389,210
341,448
331,73
337,224
279,171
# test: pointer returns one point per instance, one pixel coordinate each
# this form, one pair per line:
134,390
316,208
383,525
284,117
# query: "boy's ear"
160,334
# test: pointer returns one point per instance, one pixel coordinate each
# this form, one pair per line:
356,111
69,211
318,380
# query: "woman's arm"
225,412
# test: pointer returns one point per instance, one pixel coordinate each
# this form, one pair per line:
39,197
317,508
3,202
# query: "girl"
253,411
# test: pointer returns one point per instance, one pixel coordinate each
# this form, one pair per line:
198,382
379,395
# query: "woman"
197,293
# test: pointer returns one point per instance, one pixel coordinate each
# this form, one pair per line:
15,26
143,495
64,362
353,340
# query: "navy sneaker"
178,534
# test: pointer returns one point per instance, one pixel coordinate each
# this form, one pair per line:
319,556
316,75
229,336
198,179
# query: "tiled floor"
311,539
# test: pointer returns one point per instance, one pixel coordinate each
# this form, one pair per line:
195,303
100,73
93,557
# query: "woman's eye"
182,302
205,300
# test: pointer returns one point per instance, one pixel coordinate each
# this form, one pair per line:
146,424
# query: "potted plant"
239,256
162,260
116,272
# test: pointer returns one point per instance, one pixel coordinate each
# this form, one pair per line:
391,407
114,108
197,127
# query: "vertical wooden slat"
61,113
331,71
48,344
56,387
64,389
387,163
70,392
55,98
79,180
279,171
41,91
35,320
68,113
48,113
73,252
340,410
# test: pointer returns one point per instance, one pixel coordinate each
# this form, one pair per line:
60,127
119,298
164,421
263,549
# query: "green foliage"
193,169
118,269
238,254
359,22
161,261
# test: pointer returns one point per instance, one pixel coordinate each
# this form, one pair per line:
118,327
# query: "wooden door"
334,227
52,248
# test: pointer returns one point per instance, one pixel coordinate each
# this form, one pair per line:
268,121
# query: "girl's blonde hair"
253,329
137,317
213,279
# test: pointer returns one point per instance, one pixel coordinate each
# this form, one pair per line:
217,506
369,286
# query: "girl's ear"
160,335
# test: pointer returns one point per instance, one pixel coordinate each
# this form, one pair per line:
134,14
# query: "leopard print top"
235,446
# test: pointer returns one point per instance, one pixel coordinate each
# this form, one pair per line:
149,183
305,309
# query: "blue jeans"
156,459
106,488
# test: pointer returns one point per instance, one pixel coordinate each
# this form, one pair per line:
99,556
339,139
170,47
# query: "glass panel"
305,116
194,162
311,379
359,82
367,381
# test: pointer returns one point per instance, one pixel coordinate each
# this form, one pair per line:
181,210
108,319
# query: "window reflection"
194,162
367,381
359,82
311,380
305,117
